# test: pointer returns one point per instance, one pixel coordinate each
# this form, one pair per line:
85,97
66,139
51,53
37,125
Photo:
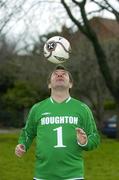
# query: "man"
63,127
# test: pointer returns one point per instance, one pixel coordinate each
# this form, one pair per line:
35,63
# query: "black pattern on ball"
51,46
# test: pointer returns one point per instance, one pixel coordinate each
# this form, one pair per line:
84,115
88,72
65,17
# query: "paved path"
5,131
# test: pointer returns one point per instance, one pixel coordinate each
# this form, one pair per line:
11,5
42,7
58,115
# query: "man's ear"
49,86
70,85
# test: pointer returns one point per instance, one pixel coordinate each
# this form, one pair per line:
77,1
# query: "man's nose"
59,75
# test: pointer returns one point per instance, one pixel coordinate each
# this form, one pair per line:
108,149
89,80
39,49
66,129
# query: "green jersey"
58,155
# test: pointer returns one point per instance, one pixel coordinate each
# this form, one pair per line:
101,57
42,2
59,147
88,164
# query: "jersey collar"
66,101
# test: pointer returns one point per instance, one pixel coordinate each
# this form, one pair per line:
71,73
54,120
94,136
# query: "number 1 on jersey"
59,137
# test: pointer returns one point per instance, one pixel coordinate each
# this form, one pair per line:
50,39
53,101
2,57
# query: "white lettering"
52,120
71,120
59,120
56,120
75,120
66,119
47,120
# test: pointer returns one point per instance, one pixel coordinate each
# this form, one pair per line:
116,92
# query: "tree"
108,6
17,100
89,32
81,22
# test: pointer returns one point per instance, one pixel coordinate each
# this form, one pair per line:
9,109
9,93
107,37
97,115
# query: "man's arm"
27,134
88,137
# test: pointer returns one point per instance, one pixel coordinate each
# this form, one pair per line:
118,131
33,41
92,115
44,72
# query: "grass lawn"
100,164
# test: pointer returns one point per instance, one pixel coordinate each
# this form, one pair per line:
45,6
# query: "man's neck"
60,96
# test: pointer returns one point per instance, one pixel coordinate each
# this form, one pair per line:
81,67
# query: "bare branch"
107,6
94,12
77,23
80,3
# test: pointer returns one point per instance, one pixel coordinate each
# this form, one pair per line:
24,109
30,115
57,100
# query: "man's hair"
58,67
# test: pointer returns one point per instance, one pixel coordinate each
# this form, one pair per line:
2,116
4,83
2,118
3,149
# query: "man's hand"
20,150
81,136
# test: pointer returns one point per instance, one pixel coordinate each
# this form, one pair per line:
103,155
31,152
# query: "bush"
110,105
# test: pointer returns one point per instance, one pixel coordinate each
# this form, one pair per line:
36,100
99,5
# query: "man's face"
60,78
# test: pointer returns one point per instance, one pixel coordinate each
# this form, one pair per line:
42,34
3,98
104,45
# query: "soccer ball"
57,49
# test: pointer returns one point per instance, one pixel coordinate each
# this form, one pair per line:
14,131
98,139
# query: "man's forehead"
60,70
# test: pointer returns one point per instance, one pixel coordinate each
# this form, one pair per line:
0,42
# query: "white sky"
38,17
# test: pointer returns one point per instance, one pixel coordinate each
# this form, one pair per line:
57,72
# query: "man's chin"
60,82
61,86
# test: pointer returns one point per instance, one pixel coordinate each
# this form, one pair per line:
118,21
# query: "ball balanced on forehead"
57,49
